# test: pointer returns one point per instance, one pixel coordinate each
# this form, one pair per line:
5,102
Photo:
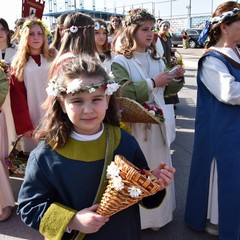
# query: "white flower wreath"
97,26
74,86
54,88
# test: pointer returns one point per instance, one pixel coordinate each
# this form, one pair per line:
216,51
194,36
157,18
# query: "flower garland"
74,29
5,66
137,15
113,172
75,86
30,22
154,111
98,26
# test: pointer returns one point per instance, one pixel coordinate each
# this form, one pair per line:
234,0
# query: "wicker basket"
17,160
114,201
134,112
176,59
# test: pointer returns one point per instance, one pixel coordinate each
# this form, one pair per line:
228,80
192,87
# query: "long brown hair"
7,31
106,46
79,42
110,28
132,22
57,37
56,127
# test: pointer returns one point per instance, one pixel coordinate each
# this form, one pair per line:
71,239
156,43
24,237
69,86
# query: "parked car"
193,34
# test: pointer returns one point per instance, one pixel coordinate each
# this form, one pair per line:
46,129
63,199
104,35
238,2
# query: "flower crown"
98,26
74,29
218,19
5,66
54,89
30,22
136,16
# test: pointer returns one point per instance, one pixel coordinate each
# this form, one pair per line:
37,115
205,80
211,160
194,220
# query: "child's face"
3,34
144,36
86,110
35,39
115,22
100,37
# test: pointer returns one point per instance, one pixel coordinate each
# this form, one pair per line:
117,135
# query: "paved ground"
14,229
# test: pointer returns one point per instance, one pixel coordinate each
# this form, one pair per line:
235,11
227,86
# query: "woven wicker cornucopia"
114,201
134,112
17,160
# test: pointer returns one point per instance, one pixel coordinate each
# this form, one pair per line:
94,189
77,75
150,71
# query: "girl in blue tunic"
59,194
213,199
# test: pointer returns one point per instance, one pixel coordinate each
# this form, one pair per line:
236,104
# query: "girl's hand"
87,220
164,174
28,134
162,79
180,72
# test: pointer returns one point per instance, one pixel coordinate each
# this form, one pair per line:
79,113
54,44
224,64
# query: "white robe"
154,140
35,80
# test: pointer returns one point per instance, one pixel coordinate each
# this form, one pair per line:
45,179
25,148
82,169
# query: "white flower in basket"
127,185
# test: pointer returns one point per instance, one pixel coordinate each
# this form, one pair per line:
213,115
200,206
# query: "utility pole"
189,13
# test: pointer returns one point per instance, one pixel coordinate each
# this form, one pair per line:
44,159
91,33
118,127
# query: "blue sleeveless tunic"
217,135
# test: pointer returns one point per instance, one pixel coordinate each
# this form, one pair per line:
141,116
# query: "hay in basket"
133,112
127,185
17,160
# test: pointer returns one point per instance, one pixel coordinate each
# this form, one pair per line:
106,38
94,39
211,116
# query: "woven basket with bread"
127,185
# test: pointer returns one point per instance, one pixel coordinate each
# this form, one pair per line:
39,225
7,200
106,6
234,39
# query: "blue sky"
11,10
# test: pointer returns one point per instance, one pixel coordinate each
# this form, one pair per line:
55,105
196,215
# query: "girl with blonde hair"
28,80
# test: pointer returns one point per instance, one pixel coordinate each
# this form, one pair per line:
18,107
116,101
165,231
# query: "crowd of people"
61,97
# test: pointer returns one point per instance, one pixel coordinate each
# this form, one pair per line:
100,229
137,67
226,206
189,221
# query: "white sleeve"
218,80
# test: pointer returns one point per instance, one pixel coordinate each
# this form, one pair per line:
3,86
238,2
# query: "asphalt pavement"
14,229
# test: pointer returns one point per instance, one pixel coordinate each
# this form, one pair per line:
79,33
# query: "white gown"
6,194
154,140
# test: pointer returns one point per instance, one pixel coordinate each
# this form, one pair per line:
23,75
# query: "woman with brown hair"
56,44
78,38
114,26
103,47
213,199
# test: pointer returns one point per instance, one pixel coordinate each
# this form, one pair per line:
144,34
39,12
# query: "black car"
193,34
